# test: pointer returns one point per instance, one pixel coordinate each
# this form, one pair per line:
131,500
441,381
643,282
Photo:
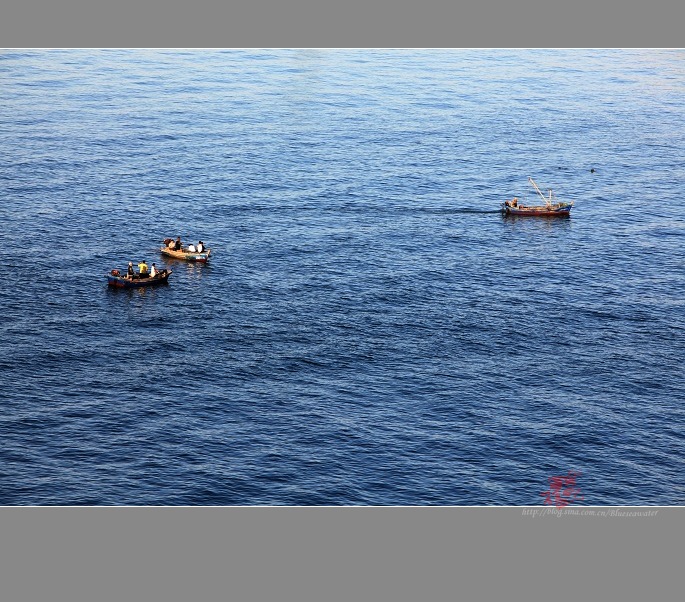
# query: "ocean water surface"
370,329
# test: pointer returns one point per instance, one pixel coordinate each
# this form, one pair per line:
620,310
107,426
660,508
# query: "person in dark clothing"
129,272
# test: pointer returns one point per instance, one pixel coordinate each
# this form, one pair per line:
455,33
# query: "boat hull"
186,255
123,282
540,211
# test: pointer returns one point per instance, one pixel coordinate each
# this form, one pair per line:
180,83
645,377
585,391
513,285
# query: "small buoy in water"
592,170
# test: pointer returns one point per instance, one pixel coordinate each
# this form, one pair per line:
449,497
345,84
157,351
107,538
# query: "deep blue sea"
370,329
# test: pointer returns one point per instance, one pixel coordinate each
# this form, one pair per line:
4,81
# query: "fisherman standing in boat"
512,203
153,271
142,269
130,273
179,247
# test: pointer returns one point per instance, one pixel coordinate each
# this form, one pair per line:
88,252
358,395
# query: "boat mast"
548,202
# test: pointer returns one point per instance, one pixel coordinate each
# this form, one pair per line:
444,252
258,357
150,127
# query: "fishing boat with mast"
551,208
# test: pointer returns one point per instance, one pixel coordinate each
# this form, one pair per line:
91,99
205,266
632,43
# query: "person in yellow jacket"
142,269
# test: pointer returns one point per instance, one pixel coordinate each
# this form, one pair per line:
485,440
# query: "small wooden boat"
549,209
185,253
115,278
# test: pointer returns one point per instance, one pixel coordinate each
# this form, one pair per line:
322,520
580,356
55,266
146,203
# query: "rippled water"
370,329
